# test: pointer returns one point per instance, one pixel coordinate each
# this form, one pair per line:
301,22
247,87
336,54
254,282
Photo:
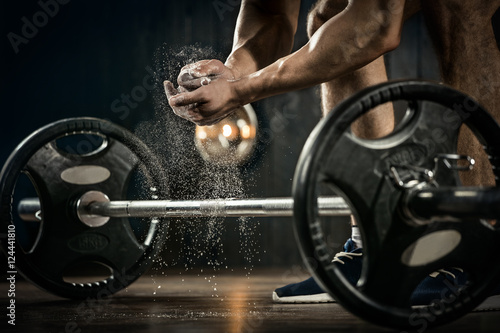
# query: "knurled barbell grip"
29,208
328,206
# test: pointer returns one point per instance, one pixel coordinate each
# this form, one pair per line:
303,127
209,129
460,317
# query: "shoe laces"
345,254
443,271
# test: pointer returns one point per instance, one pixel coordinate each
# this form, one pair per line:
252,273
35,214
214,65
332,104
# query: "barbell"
95,209
402,189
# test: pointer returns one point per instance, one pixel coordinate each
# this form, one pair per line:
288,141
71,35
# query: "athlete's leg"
374,124
470,61
333,92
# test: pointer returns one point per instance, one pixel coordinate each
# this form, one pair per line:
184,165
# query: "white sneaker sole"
492,303
317,298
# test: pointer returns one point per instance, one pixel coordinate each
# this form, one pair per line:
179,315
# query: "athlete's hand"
205,94
201,73
205,105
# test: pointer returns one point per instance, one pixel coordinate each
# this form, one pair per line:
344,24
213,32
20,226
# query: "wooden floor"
229,302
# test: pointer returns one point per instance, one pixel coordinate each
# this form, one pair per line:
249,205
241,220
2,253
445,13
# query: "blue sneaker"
434,287
308,290
439,285
444,285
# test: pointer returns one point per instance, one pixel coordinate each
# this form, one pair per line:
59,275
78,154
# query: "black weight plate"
61,172
360,171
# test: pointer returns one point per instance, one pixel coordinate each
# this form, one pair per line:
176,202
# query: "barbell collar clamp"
83,209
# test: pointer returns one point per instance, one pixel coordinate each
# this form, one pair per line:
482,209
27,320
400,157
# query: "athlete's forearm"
340,46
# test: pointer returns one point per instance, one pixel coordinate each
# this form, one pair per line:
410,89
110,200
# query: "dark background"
92,53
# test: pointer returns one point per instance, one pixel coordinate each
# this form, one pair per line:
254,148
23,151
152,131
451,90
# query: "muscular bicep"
363,24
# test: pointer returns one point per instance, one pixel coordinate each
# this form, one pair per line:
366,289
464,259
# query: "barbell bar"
422,206
95,204
328,206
